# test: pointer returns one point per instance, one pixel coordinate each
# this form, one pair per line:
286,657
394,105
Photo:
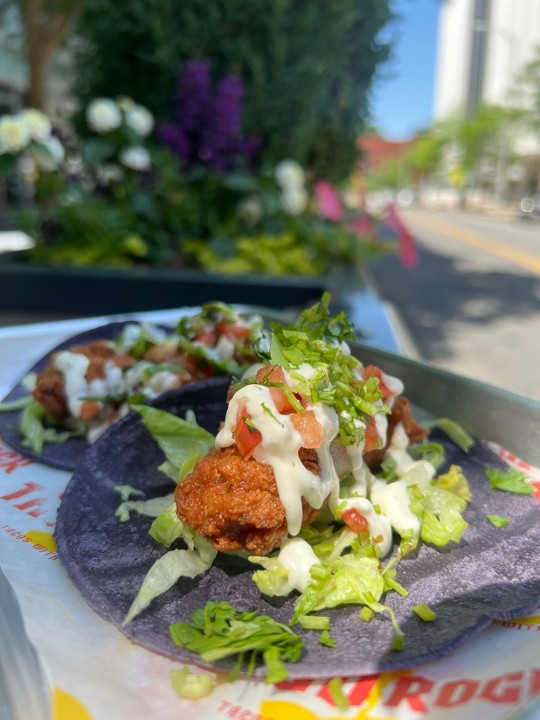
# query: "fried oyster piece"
401,413
50,390
234,502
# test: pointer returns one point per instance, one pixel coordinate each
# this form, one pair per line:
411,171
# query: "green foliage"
425,155
526,93
307,67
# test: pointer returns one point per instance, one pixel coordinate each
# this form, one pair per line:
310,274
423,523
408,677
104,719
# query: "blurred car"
530,207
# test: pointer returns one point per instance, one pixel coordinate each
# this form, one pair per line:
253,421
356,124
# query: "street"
471,304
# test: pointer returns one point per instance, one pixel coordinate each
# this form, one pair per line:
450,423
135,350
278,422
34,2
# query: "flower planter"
42,288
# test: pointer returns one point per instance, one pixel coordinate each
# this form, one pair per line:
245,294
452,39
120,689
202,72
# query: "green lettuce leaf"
163,574
183,442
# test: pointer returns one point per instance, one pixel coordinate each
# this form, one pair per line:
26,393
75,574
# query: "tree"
44,26
307,67
424,157
526,93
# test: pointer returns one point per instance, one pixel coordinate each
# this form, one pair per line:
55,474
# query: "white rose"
135,157
289,175
37,124
103,115
294,201
14,135
140,120
49,154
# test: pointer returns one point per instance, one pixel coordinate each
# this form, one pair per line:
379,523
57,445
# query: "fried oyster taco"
86,386
310,476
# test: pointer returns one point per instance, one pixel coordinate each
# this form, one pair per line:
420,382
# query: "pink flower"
328,201
407,247
363,225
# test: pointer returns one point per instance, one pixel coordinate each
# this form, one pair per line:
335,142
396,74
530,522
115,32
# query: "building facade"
483,46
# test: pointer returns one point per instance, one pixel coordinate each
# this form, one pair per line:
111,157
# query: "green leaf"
240,182
314,622
182,442
218,630
497,520
19,404
167,527
163,574
150,508
455,432
32,427
97,151
511,480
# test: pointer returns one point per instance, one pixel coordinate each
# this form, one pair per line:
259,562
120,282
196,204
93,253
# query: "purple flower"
207,124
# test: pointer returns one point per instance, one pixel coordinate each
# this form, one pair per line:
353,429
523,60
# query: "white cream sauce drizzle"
280,445
279,449
297,557
73,366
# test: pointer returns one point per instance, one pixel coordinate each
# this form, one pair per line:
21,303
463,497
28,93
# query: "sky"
402,99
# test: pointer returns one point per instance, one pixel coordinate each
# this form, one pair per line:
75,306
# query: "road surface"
472,302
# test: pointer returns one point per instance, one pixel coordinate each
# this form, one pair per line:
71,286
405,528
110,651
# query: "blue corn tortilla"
66,455
492,573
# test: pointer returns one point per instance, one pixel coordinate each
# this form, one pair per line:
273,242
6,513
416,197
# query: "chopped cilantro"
497,520
511,480
318,340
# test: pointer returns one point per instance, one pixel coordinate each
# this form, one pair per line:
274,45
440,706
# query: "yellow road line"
475,239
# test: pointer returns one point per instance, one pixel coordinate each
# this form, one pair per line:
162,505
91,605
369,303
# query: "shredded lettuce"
167,527
335,688
456,432
424,612
454,481
152,507
183,442
192,685
163,574
274,579
18,404
314,622
440,506
36,431
347,580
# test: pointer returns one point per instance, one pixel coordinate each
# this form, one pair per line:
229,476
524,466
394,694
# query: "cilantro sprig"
511,480
218,630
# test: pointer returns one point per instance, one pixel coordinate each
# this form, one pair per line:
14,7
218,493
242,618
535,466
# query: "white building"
483,45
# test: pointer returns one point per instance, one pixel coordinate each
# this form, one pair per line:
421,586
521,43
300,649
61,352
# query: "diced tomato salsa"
246,437
355,520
